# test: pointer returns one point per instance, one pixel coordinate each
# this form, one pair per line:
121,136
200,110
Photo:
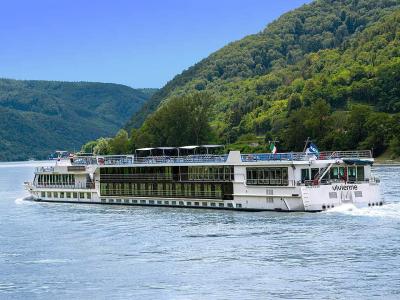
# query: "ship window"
62,195
151,201
196,204
238,205
82,195
126,200
213,204
341,173
188,203
360,174
118,200
314,172
220,204
305,175
142,201
55,194
159,202
68,194
173,203
43,194
166,202
75,195
88,195
230,205
332,195
134,201
181,203
103,200
334,173
267,176
351,173
204,203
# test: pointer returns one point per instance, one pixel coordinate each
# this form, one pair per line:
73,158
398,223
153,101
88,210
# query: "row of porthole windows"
68,195
369,204
171,203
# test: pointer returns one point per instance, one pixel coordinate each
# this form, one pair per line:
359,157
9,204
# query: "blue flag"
312,148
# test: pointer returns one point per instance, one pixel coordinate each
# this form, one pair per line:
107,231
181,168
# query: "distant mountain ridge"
40,116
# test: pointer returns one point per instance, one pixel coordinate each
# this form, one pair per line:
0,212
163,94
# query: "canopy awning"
145,149
189,147
211,146
166,148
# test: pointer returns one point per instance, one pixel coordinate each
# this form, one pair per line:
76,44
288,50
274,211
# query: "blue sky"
138,43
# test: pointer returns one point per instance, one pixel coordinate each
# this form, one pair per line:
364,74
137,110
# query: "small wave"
23,200
391,210
50,261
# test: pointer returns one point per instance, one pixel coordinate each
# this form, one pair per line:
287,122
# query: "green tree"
120,143
103,147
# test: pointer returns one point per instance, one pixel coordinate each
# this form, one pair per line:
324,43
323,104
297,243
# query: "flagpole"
305,146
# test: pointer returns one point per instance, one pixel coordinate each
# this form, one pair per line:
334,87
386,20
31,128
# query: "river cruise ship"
251,182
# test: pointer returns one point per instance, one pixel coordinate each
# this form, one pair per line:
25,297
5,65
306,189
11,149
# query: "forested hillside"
323,24
38,117
329,70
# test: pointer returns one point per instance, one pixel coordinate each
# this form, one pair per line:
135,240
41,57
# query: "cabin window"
267,176
173,202
314,172
188,203
43,194
238,205
360,174
82,195
305,175
351,173
75,195
334,173
55,194
88,195
68,194
220,204
62,195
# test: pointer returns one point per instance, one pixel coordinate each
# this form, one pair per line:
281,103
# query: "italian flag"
272,148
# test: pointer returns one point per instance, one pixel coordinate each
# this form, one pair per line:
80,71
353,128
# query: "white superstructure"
280,182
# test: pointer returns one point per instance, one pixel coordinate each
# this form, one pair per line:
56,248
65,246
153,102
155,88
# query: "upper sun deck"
233,156
79,163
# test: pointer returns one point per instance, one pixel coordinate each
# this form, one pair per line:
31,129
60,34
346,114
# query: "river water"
64,251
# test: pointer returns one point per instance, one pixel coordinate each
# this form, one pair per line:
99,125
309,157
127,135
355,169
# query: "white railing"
300,156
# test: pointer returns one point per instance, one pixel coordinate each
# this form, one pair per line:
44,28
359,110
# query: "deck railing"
76,186
181,159
300,156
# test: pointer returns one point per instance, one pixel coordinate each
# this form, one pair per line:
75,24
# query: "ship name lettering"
345,188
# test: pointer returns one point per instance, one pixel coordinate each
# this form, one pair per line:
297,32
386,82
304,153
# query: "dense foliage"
184,120
38,117
329,70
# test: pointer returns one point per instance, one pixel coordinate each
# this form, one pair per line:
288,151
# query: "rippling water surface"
65,251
